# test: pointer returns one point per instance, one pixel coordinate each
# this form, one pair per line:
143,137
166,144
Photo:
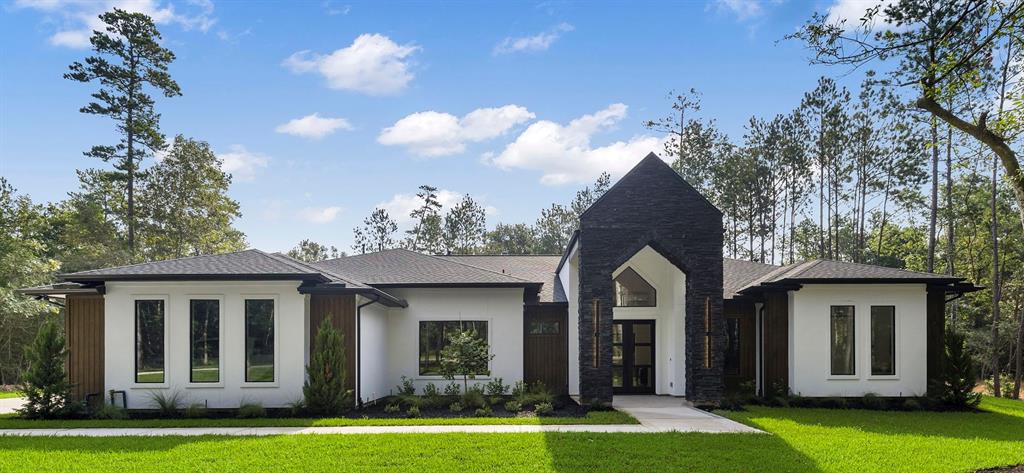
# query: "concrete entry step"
667,413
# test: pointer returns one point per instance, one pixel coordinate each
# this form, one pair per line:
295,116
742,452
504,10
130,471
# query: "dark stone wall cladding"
652,205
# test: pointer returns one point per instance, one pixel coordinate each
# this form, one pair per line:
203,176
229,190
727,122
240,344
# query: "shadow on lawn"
9,445
960,425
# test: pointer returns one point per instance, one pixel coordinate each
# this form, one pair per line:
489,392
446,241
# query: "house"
641,301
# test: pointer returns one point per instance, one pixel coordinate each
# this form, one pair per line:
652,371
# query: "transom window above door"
631,290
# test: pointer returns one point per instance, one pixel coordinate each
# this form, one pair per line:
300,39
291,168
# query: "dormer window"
631,290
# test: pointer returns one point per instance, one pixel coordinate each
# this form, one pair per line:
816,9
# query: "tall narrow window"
883,340
843,351
149,341
204,315
732,346
631,290
259,340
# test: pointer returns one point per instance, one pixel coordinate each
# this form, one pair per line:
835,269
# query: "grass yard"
10,394
803,440
10,421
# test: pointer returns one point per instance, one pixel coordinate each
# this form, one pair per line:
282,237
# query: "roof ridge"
886,267
163,261
316,269
549,255
439,258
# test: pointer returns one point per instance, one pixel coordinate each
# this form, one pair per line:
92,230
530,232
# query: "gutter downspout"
359,349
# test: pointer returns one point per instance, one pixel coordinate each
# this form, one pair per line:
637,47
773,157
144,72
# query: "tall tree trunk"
996,284
1018,377
950,221
933,215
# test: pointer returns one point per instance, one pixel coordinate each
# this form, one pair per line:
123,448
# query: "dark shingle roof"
533,268
737,274
827,271
248,264
399,267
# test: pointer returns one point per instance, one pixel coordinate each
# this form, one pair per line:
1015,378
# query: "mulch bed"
1005,469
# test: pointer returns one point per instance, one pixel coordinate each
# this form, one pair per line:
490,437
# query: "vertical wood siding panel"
342,309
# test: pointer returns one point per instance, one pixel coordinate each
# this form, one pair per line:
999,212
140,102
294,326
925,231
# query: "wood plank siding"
776,342
743,311
935,325
83,325
546,346
342,311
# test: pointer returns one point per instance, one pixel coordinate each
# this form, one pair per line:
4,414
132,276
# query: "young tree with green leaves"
186,206
45,384
510,239
376,234
324,390
467,355
129,60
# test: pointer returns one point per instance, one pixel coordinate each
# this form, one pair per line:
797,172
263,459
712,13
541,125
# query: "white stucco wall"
669,346
570,279
502,308
291,322
809,342
373,361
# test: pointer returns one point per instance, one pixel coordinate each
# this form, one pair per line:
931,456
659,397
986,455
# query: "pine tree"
324,390
465,226
958,374
376,234
45,384
426,234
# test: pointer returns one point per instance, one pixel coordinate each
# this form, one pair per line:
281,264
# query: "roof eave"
74,277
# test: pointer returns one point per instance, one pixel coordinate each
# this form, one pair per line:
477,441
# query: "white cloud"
433,133
241,163
537,42
313,126
564,154
401,205
742,9
372,65
319,215
78,18
850,13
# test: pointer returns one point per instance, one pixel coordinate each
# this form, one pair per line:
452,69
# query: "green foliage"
465,225
195,410
167,402
109,412
513,406
392,408
544,408
377,233
251,410
510,239
413,412
430,390
456,407
452,390
958,374
474,397
311,252
484,412
45,384
406,387
496,387
426,234
324,389
535,394
466,355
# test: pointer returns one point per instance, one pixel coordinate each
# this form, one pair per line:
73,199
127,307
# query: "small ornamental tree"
45,384
958,374
466,355
324,389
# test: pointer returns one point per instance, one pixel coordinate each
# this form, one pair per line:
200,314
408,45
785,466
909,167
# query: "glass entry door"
633,356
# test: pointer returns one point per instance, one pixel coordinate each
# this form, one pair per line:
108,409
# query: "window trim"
277,342
853,343
645,277
434,377
135,384
895,343
220,339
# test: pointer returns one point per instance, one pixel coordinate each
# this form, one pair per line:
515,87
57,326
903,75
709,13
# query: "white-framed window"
434,335
843,338
206,322
260,319
150,348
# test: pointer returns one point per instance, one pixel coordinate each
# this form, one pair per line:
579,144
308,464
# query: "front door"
633,356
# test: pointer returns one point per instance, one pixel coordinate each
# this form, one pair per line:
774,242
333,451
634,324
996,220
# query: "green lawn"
10,421
10,394
803,440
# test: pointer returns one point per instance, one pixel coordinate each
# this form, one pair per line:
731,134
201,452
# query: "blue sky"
325,110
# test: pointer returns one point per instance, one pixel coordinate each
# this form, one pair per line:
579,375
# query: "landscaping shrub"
297,407
195,411
452,390
496,387
513,406
110,412
494,400
872,401
251,410
456,407
537,393
324,389
413,412
958,375
544,409
1006,382
167,403
392,408
466,356
410,400
519,389
432,396
474,397
484,412
406,388
45,383
430,389
911,405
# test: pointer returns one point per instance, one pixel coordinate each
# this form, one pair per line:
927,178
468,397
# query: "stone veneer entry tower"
652,206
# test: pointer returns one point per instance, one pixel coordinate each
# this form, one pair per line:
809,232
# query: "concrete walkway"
11,404
666,414
655,413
